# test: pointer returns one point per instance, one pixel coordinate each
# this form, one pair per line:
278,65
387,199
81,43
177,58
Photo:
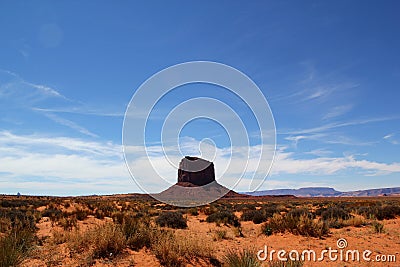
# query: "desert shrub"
276,224
174,250
171,219
68,223
302,225
378,227
379,212
106,240
356,221
298,212
81,214
166,251
208,210
118,217
226,217
256,216
388,212
193,212
335,212
19,219
288,263
53,214
242,258
15,246
309,227
5,224
244,206
270,210
220,234
138,233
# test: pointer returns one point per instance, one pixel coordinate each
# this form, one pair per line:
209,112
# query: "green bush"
171,219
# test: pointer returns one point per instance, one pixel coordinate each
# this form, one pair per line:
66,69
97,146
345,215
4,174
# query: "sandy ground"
361,239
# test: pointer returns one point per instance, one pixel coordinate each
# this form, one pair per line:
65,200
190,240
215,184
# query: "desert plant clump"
242,258
138,233
171,219
224,217
220,234
378,227
380,212
68,223
176,250
302,225
256,216
103,241
15,246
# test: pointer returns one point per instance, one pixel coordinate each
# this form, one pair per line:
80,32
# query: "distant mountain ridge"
327,192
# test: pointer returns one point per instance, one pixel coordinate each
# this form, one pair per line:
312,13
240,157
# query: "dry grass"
103,241
302,225
174,250
242,258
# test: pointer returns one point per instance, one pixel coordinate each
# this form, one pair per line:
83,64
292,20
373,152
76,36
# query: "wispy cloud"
41,89
25,96
391,138
80,110
70,124
330,126
337,111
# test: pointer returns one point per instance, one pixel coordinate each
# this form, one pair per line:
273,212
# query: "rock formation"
195,171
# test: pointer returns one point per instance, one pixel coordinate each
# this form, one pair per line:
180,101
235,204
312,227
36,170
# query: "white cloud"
35,162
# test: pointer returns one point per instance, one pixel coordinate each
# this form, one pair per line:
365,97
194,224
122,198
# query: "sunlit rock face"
195,171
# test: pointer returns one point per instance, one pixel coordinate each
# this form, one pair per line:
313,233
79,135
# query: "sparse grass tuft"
174,250
15,246
242,258
378,227
220,234
138,234
103,241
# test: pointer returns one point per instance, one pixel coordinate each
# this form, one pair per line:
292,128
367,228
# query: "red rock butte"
196,171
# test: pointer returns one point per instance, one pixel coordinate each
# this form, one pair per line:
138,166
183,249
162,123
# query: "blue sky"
329,70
